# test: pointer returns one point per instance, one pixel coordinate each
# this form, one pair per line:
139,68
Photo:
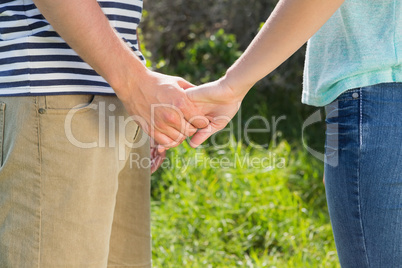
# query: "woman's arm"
290,25
83,25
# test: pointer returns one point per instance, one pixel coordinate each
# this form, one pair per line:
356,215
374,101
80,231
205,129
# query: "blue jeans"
363,175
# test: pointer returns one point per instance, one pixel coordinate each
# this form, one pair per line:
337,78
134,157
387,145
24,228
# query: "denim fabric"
363,175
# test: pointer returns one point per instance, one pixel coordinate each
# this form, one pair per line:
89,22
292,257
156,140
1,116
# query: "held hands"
218,102
159,104
170,109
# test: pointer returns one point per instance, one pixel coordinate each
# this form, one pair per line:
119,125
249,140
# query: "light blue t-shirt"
360,45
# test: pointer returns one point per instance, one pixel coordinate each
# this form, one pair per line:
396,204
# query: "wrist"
127,75
230,81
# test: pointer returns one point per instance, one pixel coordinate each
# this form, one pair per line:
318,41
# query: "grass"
241,207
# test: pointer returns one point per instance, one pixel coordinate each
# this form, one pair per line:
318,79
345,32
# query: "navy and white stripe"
34,59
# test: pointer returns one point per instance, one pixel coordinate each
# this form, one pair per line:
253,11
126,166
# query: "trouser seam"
358,174
38,119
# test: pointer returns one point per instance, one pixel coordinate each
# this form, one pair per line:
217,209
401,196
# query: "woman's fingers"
217,124
202,135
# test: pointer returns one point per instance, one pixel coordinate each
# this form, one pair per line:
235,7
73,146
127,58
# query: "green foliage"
226,208
169,22
238,215
147,54
242,215
208,58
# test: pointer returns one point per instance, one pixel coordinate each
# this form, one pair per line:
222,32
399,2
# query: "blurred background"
214,206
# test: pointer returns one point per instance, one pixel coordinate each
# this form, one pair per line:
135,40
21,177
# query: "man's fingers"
188,109
185,120
168,137
180,117
157,158
189,130
160,138
197,121
192,114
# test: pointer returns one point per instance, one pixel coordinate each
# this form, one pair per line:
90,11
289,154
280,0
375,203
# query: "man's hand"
218,102
157,158
87,30
158,103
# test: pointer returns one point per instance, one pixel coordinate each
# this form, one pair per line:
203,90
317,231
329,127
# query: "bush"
169,22
206,59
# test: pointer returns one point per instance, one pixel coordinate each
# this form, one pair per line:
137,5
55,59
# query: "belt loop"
41,101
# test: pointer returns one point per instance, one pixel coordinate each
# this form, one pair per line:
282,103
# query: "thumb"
184,84
205,93
196,93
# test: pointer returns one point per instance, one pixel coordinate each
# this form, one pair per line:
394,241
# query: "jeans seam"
361,118
358,174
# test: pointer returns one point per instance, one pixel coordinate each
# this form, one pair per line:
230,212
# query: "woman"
354,69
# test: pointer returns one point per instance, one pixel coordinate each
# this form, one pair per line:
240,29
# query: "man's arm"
83,25
290,25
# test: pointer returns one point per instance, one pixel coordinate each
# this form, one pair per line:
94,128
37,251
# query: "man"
68,194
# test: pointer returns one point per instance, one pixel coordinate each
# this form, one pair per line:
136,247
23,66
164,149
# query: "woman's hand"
218,102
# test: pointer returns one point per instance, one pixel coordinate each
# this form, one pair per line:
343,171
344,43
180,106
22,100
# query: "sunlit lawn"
241,207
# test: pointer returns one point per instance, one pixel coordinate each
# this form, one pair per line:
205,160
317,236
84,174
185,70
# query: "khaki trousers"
69,196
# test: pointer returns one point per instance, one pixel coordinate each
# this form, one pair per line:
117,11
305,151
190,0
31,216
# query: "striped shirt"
35,60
